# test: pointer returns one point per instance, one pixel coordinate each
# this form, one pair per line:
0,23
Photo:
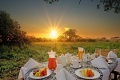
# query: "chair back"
104,52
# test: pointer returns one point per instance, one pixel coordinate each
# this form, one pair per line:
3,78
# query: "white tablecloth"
31,63
106,73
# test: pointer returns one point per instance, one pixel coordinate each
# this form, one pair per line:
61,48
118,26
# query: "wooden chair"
116,75
104,52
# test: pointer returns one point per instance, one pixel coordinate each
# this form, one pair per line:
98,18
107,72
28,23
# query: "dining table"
105,73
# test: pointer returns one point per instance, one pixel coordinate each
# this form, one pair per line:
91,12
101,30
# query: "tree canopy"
69,35
108,5
10,33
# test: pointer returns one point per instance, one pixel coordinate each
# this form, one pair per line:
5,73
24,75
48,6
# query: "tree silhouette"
70,34
10,33
108,5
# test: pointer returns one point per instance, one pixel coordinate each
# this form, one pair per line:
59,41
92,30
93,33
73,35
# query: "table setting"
69,67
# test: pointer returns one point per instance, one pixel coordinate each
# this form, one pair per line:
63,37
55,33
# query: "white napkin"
84,57
62,60
99,62
92,56
111,54
106,73
58,68
63,74
118,66
68,57
30,64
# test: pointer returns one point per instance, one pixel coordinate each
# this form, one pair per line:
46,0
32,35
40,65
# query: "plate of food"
40,73
87,73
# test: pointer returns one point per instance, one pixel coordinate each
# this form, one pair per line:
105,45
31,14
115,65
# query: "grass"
12,59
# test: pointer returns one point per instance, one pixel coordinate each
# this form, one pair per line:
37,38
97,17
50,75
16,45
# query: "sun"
54,33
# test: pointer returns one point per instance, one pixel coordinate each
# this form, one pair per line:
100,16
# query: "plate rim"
33,77
74,67
87,77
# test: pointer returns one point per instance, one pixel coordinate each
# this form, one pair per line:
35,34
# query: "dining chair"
116,73
97,52
104,52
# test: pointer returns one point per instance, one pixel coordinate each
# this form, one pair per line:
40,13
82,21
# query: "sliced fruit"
42,73
87,72
45,71
83,72
92,74
37,74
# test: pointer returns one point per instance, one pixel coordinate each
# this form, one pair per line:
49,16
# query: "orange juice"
52,63
80,54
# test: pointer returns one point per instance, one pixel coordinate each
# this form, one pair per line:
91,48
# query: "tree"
61,38
10,33
108,5
70,34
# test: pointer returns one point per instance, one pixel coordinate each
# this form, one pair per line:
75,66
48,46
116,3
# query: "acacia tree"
108,5
10,33
70,34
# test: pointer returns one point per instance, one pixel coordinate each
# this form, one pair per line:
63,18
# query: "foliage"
76,38
10,33
50,1
108,5
70,34
13,58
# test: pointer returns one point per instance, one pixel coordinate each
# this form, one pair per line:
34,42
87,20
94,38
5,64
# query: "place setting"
81,68
40,73
75,65
87,73
70,67
43,71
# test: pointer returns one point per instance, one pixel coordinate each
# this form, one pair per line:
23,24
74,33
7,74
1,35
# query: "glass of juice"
80,52
52,63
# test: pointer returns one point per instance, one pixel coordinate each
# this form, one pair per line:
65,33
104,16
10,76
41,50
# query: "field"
13,58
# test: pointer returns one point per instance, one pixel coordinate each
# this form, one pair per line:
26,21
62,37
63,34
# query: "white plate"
34,77
96,74
75,67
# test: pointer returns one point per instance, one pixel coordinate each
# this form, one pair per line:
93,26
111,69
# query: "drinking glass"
80,54
52,63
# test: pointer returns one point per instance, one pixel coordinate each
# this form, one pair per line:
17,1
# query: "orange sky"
37,17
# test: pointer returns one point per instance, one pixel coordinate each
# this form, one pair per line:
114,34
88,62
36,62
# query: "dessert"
87,72
40,72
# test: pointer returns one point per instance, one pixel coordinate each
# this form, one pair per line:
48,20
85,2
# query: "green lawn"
12,59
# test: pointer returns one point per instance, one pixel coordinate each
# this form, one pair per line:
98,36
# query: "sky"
37,17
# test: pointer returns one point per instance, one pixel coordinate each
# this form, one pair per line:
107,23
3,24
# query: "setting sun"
53,33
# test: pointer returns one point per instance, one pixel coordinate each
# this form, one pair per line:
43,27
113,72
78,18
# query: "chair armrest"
115,72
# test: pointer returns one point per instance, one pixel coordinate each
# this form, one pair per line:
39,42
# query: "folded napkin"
58,68
99,62
30,64
68,58
118,66
63,74
92,56
84,57
111,54
62,60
